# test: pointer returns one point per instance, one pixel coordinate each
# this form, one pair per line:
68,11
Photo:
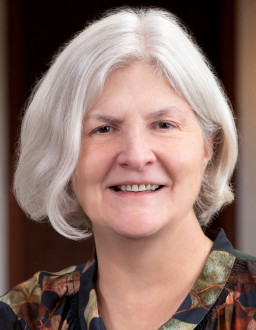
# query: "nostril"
136,156
124,165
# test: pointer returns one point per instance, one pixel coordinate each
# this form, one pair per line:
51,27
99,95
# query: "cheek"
93,164
186,162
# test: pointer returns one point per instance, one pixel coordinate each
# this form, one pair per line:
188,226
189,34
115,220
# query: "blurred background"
30,34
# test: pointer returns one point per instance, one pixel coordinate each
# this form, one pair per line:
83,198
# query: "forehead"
138,86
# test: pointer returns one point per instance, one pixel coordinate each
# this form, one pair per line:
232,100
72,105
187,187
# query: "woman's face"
142,156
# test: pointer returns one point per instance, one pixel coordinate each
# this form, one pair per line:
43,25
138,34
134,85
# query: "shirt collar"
196,305
207,287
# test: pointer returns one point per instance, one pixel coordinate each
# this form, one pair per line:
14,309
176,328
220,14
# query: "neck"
150,267
174,244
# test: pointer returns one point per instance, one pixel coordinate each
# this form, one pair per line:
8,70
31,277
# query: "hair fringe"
48,152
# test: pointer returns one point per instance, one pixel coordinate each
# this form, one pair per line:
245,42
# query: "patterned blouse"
223,297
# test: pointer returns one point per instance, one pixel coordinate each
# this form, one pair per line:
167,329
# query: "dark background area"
36,30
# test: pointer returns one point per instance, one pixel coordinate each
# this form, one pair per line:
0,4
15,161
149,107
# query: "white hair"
51,130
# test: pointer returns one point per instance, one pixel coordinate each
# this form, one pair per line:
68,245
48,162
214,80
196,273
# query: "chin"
141,228
137,235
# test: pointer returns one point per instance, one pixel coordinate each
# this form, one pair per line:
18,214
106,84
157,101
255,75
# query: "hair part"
51,130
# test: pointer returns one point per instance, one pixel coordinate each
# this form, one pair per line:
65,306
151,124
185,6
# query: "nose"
136,153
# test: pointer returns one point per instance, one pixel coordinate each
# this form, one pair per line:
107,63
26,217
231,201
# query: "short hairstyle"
51,129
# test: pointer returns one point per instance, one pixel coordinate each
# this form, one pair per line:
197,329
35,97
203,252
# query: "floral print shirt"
223,297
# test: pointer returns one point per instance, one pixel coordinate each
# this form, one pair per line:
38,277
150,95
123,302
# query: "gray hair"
51,130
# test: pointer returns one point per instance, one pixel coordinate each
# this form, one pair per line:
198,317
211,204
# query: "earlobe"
208,154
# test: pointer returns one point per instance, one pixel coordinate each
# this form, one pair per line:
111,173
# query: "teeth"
137,188
142,187
129,187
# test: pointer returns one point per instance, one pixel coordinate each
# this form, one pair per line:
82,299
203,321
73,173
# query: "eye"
103,129
164,125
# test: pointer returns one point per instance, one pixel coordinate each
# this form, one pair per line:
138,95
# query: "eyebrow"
153,114
162,112
104,119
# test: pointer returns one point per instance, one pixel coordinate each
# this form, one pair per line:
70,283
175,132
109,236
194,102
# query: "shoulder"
243,280
243,274
237,302
27,300
26,292
244,256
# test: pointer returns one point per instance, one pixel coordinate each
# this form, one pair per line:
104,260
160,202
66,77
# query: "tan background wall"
3,151
246,104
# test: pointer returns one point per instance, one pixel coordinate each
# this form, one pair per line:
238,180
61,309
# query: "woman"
129,135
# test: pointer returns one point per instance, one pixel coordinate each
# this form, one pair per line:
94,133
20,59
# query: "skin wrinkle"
138,231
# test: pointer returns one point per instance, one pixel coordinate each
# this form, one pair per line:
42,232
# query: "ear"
208,151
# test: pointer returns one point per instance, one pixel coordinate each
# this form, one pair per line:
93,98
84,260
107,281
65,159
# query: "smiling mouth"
137,188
